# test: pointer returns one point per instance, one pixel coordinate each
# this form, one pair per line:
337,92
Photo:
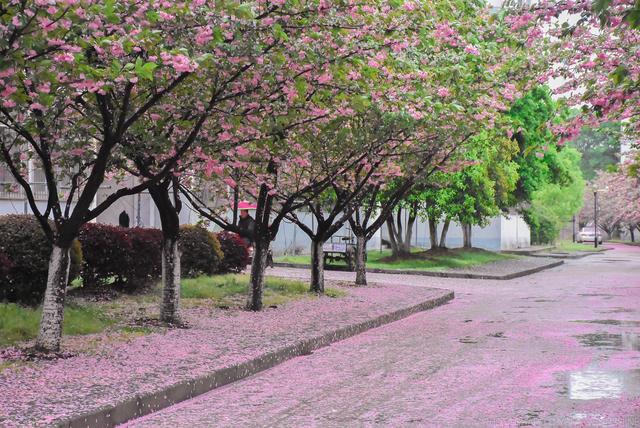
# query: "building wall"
17,206
292,240
514,232
502,233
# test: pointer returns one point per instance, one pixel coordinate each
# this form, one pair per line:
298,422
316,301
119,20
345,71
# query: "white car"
587,234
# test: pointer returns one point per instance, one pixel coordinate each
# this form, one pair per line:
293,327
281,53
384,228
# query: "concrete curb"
460,275
528,252
567,256
141,405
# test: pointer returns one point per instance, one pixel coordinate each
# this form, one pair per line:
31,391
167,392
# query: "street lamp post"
595,218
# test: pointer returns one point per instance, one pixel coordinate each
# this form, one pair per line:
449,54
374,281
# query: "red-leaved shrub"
236,252
128,258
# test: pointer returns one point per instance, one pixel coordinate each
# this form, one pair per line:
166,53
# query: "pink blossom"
443,92
225,136
325,78
8,91
64,57
472,50
204,36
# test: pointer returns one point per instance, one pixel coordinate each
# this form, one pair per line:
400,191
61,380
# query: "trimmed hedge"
5,267
104,255
200,252
24,259
127,258
236,252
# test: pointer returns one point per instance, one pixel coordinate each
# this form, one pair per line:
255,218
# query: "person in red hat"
246,224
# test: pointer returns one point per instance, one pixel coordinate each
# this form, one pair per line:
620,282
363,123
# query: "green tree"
553,205
478,186
600,148
538,162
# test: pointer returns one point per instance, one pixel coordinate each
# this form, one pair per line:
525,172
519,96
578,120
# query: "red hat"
246,205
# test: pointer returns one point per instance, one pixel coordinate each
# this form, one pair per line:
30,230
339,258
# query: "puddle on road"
611,342
593,384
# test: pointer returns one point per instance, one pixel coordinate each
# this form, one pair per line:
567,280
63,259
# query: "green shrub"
24,259
201,253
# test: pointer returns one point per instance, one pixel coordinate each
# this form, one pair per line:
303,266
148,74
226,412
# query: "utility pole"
595,218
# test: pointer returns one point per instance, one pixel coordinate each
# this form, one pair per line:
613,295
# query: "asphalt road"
558,348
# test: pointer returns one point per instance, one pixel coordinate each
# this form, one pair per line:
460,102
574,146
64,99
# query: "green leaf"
109,11
145,71
619,74
633,17
244,11
301,87
279,32
218,36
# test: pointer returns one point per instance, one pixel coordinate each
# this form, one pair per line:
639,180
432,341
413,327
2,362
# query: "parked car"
588,234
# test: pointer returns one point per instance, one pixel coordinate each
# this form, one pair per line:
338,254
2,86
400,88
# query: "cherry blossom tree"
593,48
76,78
385,141
263,66
618,201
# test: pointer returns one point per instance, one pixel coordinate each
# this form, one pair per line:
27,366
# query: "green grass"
19,323
227,289
452,259
569,246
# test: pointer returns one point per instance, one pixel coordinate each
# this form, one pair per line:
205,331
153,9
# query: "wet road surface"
558,348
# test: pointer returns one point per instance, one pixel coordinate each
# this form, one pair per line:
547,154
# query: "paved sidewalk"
151,372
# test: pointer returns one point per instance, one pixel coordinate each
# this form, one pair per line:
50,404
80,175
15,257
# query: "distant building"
502,233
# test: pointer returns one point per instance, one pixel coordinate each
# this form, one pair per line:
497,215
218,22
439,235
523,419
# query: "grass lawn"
19,323
420,260
569,246
82,316
233,288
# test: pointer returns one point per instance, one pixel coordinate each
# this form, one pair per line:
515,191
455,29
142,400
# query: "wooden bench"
340,249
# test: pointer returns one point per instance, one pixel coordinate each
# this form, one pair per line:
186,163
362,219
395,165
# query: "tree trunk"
50,332
395,249
443,234
466,235
317,266
170,307
407,238
400,241
633,236
258,266
169,217
433,233
361,262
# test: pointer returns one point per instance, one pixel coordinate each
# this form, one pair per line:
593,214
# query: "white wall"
515,232
292,240
501,233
